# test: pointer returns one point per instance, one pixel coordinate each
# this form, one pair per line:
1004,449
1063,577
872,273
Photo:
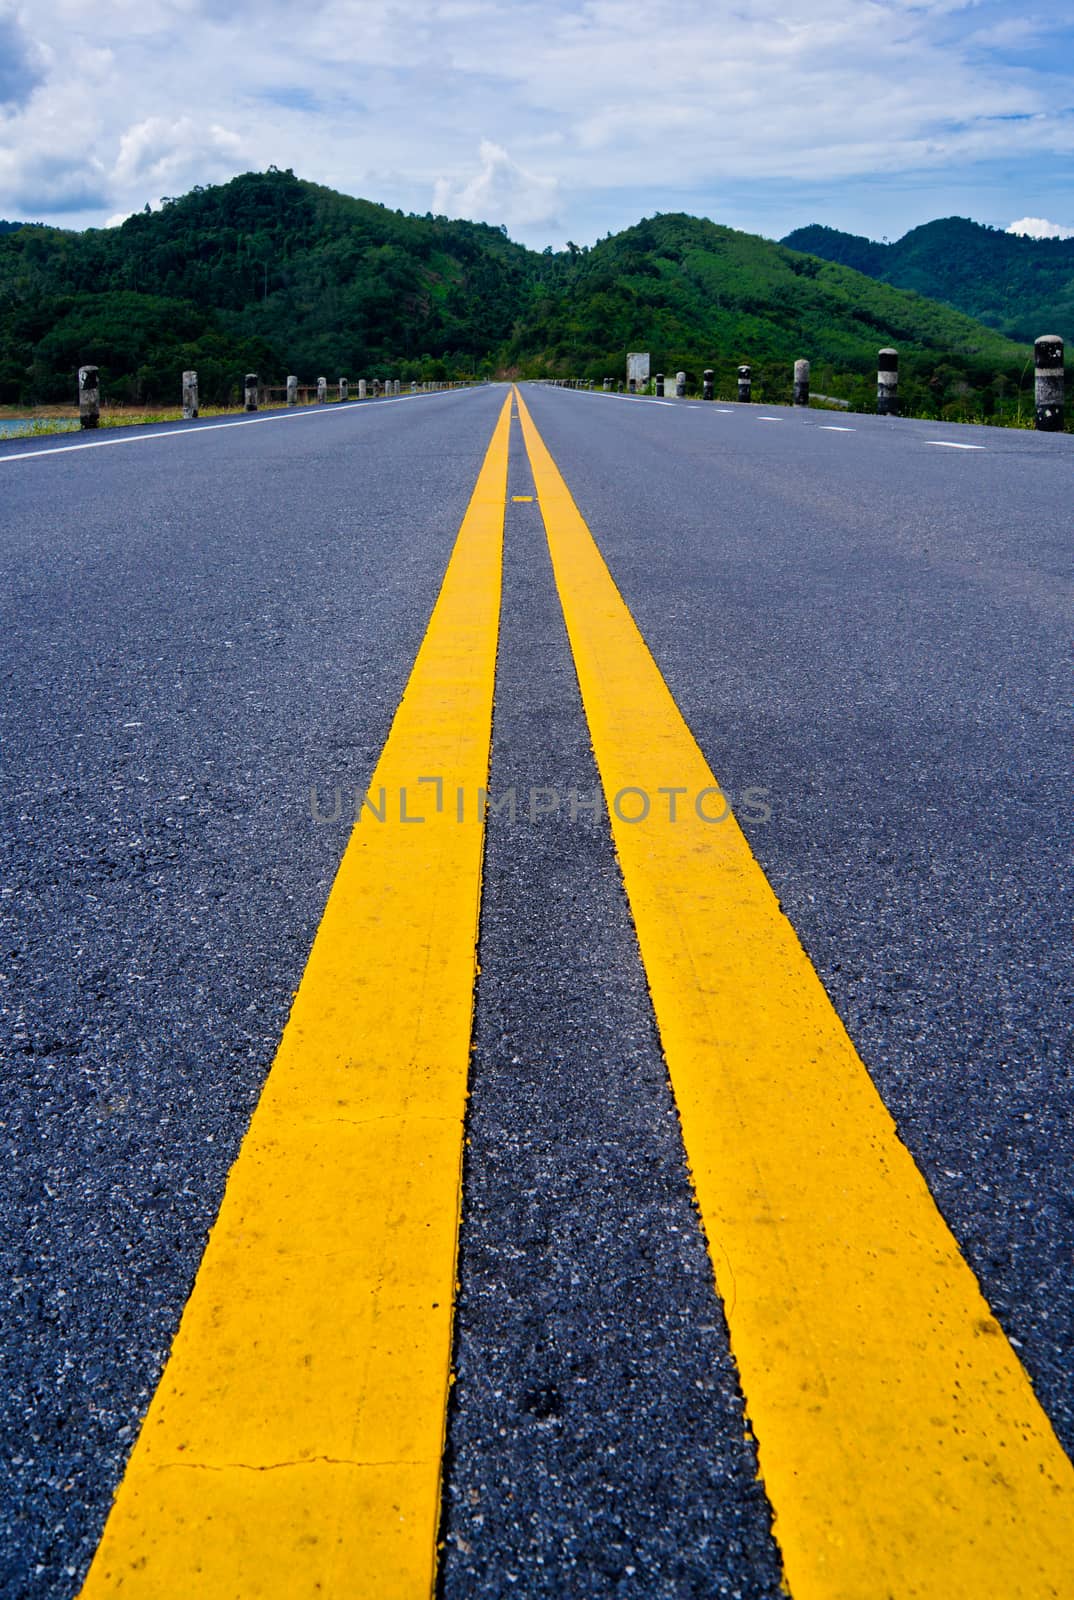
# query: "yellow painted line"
901,1445
293,1446
522,499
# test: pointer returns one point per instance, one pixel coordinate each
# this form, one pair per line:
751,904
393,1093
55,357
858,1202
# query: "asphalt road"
198,630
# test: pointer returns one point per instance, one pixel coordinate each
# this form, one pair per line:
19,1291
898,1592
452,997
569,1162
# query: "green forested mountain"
273,274
698,295
1022,286
265,272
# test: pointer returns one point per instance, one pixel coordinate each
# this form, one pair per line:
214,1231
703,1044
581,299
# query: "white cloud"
1040,228
602,106
157,151
501,192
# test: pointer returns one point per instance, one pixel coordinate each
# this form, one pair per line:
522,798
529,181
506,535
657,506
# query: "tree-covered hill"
273,274
699,295
1022,286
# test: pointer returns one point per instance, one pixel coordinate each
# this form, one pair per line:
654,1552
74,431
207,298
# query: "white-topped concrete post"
1050,382
89,397
660,386
680,385
250,388
745,384
887,383
292,390
363,389
706,384
344,389
801,383
190,395
322,391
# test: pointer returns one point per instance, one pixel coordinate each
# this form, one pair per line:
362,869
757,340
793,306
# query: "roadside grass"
44,420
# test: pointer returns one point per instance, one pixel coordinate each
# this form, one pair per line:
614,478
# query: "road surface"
865,625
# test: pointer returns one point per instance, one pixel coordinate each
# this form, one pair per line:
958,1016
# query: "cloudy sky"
559,118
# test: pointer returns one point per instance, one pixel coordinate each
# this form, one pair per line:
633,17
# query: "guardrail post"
1048,355
190,395
680,386
745,384
887,383
89,396
292,390
251,391
322,391
660,386
395,386
801,383
706,384
344,389
363,389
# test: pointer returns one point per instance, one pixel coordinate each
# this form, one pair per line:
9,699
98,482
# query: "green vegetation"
268,273
1024,287
697,295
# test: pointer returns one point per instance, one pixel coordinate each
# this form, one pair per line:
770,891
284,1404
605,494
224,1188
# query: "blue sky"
558,118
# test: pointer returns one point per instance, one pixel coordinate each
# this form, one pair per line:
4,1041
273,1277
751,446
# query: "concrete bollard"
344,389
89,396
1048,354
660,386
607,385
633,386
801,383
190,395
887,383
292,390
680,386
322,391
619,387
745,384
707,390
363,389
251,391
395,386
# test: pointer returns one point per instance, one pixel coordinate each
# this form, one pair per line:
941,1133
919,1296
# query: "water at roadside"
12,427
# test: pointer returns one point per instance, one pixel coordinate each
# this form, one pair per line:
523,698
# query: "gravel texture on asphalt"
878,631
195,632
596,1443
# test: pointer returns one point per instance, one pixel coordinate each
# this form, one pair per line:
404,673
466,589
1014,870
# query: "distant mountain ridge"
272,274
1021,286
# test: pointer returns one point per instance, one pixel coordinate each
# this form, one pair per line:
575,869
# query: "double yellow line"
293,1446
